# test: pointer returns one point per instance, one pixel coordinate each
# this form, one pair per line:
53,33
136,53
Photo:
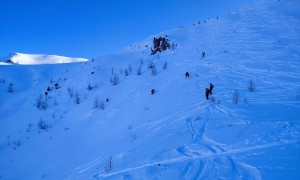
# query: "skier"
203,54
211,86
152,91
107,99
187,75
207,92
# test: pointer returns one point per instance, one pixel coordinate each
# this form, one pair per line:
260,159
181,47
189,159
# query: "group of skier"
208,91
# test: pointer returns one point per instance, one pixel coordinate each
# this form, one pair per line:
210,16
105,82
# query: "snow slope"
27,59
175,133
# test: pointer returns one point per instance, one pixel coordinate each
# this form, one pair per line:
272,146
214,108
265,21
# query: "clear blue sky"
91,28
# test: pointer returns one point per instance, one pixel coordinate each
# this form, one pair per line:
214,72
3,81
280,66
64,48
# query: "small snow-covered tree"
139,71
41,102
70,92
90,87
10,88
150,64
142,62
251,85
235,97
114,79
129,68
96,102
101,105
42,125
154,71
108,165
112,71
77,98
126,72
165,66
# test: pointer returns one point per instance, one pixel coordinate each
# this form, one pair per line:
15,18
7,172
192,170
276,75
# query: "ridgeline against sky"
88,28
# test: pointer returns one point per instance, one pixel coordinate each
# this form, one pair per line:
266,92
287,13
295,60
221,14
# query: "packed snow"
29,59
99,120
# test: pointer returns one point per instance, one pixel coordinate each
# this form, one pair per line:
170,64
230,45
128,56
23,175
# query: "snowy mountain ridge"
30,59
98,119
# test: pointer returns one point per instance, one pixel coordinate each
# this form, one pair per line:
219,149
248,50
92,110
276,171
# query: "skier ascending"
187,75
207,92
211,86
152,91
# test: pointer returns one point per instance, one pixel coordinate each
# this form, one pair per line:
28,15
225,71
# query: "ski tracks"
236,169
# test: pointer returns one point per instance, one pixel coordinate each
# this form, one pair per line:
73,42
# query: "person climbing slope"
211,87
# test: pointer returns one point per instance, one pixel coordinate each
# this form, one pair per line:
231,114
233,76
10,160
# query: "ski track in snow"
201,157
203,165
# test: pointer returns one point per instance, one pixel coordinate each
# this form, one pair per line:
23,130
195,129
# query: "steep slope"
175,133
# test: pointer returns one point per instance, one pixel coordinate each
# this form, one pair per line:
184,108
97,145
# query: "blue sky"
91,28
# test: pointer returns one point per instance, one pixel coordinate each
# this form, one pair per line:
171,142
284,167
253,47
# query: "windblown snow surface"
175,133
